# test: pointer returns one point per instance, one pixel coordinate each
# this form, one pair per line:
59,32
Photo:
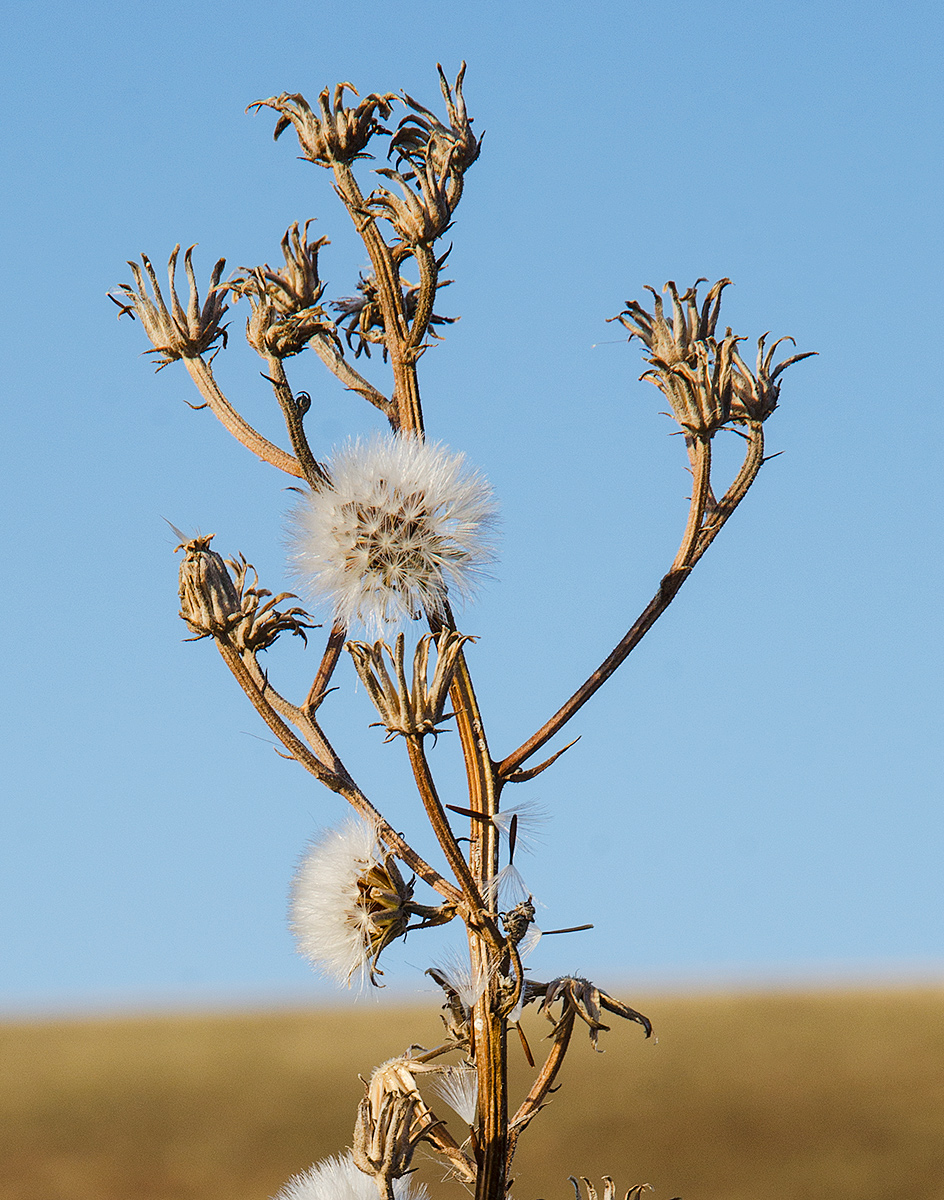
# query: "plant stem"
202,374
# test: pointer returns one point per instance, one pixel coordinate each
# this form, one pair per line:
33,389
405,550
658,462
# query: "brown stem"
338,365
294,421
701,487
429,274
202,375
437,818
342,784
409,412
531,1105
697,538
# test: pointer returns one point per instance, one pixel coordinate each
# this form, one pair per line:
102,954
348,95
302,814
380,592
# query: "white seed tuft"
403,523
332,930
339,1179
459,1087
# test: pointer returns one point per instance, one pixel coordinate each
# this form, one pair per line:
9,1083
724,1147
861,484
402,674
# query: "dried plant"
394,529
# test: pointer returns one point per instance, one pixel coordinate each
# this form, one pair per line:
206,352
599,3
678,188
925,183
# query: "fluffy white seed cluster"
340,1179
403,523
332,929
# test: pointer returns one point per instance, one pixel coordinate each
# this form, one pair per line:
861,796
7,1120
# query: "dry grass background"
819,1096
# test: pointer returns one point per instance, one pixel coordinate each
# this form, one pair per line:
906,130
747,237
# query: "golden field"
835,1095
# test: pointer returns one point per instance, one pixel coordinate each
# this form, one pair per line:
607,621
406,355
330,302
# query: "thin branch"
342,784
534,1101
437,818
408,416
294,413
202,375
696,540
352,379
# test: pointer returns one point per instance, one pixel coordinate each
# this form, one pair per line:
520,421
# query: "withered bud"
393,1118
756,394
384,1143
337,135
209,600
286,314
423,213
177,332
214,604
416,708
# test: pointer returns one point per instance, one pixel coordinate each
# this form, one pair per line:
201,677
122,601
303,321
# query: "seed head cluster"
403,524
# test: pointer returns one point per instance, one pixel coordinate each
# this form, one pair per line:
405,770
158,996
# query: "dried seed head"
703,377
756,394
215,603
361,316
286,314
423,213
177,332
209,600
427,144
384,1141
416,709
609,1189
336,135
580,998
261,622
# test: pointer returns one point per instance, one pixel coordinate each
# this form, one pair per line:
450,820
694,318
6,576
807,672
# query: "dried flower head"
423,141
423,213
404,709
339,1179
703,377
349,901
286,314
215,603
209,600
580,998
178,332
361,316
402,524
337,135
393,1117
609,1189
756,393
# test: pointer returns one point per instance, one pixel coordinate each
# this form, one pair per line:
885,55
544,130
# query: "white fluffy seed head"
332,928
403,523
339,1179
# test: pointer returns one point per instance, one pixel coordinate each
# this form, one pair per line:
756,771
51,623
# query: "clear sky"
757,795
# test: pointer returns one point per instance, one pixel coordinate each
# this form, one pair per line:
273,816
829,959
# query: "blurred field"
820,1096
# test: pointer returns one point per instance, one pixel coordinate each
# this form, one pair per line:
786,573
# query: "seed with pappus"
402,524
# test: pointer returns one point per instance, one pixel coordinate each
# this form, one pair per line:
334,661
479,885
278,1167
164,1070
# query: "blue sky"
757,795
